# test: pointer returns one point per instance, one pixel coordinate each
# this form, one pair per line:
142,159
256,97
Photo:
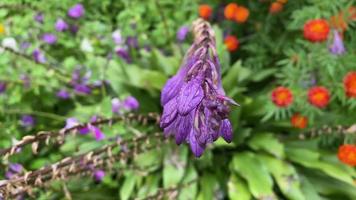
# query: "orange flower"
318,96
299,121
230,11
275,7
241,14
352,13
282,1
316,30
205,11
282,97
338,22
347,154
350,84
231,43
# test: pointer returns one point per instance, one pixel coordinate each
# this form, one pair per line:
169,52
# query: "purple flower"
49,38
38,56
71,122
63,94
115,105
124,54
9,175
337,47
76,11
82,89
99,175
131,103
98,134
25,45
15,168
182,33
61,25
116,36
3,85
27,121
195,108
85,130
132,42
39,17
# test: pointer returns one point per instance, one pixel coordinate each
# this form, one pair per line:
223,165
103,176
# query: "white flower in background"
117,37
9,42
86,46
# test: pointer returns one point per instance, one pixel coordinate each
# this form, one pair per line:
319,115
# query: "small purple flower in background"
61,25
25,80
2,87
63,94
337,47
98,134
131,103
124,54
76,11
195,108
38,56
82,89
79,82
13,170
49,38
99,175
115,105
116,36
71,122
39,17
84,130
182,33
27,121
132,42
25,45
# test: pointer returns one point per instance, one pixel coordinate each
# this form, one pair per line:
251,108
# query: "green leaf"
190,191
255,173
208,184
267,142
237,189
148,159
285,175
128,186
174,166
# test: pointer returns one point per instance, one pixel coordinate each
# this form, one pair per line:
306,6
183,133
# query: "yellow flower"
2,29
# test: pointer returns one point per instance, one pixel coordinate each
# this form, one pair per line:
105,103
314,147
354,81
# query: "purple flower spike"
99,175
39,17
337,47
38,56
63,94
131,103
76,11
182,33
61,25
195,108
2,87
27,121
49,38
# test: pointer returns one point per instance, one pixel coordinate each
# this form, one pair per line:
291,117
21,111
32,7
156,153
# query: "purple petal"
115,105
71,122
184,125
99,175
194,145
189,97
61,25
76,11
169,113
131,103
226,130
170,129
85,130
170,89
97,133
16,168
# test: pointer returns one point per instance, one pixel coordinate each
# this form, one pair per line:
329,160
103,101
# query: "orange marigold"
205,11
241,14
230,11
275,7
231,43
316,30
282,97
319,96
299,121
350,84
347,154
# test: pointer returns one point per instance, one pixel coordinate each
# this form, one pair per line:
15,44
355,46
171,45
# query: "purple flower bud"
131,103
15,168
337,47
71,122
38,56
76,11
99,175
3,85
132,42
115,105
39,17
82,89
124,54
49,38
63,94
61,25
27,121
182,33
